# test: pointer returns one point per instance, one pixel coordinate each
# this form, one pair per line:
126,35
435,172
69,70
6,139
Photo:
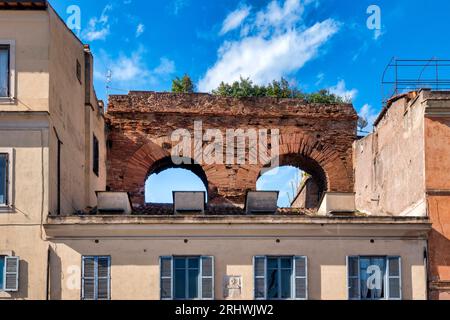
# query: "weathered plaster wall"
309,195
389,164
74,122
317,138
48,96
30,31
20,228
437,163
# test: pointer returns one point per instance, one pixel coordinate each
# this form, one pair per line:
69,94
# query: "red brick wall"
316,138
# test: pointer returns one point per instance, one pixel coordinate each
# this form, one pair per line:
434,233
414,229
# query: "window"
187,278
95,153
4,71
96,278
9,273
7,69
6,158
374,278
3,179
280,278
79,71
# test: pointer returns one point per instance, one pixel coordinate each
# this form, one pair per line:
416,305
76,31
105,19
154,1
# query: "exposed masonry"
316,138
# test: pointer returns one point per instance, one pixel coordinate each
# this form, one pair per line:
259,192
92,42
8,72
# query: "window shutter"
103,278
207,277
394,278
166,283
259,269
11,274
88,278
301,278
353,282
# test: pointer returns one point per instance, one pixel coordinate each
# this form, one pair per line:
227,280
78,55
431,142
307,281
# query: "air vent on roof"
189,202
261,202
337,203
113,202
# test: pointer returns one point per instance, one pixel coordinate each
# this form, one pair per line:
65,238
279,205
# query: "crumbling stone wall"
315,138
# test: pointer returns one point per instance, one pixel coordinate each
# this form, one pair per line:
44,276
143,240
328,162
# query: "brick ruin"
313,137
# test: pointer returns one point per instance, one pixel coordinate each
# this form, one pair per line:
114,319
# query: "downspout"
58,192
48,275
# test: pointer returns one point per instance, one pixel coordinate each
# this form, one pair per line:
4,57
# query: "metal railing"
404,75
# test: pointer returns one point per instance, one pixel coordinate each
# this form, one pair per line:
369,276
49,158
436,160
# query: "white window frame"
12,70
200,279
96,277
385,279
293,277
9,180
4,273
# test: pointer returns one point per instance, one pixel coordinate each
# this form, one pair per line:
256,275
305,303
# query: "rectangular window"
4,179
280,278
5,71
374,278
96,154
96,278
2,271
9,273
187,278
79,71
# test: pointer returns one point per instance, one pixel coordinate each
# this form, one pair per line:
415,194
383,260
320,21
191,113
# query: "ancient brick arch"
315,138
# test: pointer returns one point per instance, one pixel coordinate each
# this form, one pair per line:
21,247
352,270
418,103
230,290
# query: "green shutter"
353,282
394,278
259,269
96,278
300,278
166,278
11,274
103,278
207,278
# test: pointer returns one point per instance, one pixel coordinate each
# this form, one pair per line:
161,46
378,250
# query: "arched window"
285,179
166,177
300,181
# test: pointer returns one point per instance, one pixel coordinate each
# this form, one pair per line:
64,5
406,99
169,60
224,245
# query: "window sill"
6,209
7,101
4,294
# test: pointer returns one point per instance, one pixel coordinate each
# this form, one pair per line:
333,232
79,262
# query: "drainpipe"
47,289
58,192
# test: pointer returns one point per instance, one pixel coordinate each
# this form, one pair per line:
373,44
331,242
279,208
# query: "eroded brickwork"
315,138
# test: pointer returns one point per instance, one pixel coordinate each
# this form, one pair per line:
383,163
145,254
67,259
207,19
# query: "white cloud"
98,27
280,17
140,30
179,5
340,90
235,19
369,114
130,71
277,44
320,78
165,67
377,34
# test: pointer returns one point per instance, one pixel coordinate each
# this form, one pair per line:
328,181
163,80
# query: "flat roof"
23,4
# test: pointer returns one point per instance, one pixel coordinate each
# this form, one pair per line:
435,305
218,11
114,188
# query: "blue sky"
315,44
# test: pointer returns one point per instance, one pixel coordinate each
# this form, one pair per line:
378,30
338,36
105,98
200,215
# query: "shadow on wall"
56,278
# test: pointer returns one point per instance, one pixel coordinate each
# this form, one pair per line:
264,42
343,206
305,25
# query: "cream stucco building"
49,116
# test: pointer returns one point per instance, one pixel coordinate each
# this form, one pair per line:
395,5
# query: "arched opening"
165,177
300,181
